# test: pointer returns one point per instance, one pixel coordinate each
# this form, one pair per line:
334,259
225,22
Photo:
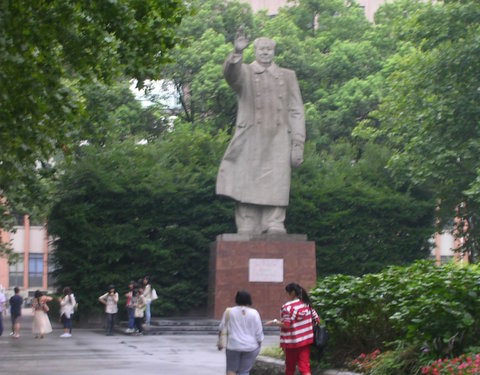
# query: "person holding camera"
296,329
110,300
67,308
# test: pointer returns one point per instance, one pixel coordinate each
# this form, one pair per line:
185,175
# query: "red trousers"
297,357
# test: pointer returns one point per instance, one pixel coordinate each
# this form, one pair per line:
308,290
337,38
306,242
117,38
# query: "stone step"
187,326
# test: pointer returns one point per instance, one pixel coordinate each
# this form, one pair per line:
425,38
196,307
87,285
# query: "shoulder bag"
223,334
320,335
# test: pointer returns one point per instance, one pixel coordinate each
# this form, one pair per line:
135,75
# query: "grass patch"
273,352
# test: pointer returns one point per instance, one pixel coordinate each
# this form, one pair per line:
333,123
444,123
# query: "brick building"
32,271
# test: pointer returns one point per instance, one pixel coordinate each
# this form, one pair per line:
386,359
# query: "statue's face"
264,53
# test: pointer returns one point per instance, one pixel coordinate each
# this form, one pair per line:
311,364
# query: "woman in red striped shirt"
296,331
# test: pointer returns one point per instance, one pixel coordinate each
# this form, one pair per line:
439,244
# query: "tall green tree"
196,74
195,71
48,50
330,19
430,113
337,70
113,114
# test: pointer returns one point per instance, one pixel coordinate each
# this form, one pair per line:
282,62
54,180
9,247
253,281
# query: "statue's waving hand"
241,41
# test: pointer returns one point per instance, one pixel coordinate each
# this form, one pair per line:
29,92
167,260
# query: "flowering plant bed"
464,364
364,362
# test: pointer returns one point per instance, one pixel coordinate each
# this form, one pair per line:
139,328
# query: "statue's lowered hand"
296,157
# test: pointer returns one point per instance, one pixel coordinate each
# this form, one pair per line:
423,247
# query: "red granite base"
229,271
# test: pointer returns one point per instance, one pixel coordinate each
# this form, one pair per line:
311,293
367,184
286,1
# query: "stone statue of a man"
268,139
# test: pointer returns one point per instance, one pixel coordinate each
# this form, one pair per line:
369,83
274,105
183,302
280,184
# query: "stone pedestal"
261,265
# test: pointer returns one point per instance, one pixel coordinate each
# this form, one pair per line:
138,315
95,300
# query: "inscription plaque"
265,270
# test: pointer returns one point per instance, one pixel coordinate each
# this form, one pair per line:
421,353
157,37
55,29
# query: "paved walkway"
89,351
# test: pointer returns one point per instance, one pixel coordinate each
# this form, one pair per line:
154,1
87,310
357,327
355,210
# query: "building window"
444,259
15,273
19,218
35,270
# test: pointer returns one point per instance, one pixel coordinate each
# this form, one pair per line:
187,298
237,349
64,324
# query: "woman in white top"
67,307
147,294
110,300
245,334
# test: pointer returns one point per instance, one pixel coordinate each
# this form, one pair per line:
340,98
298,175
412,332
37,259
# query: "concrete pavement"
89,351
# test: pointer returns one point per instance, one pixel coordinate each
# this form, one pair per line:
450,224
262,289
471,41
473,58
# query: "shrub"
141,210
433,309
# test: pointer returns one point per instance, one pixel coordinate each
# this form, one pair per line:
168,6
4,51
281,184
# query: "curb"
272,366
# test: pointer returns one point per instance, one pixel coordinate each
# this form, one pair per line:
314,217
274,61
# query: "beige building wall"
5,238
370,7
272,6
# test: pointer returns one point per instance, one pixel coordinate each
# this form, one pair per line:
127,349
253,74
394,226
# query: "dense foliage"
133,209
418,312
360,223
138,210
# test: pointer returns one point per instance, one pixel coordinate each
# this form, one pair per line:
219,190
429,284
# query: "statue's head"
264,50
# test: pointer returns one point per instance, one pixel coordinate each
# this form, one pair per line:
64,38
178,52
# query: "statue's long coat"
256,166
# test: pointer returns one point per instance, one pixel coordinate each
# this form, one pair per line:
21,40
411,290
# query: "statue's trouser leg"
248,218
273,218
256,219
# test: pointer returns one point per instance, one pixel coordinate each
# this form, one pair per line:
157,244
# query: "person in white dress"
41,324
147,293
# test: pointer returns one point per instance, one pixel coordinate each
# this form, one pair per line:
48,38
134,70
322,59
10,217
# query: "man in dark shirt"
16,303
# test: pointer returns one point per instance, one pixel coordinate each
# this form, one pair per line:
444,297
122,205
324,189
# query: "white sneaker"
66,334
